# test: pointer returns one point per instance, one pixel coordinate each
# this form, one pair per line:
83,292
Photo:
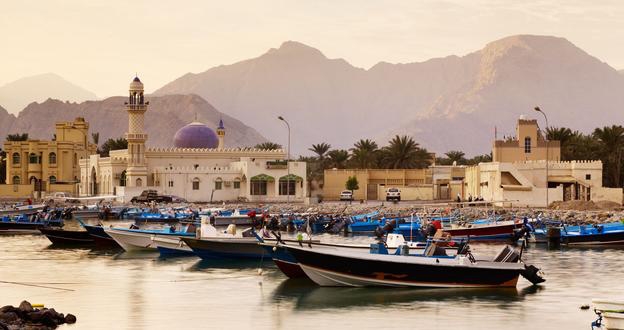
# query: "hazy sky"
99,45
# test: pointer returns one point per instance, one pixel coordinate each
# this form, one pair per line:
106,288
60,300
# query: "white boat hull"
170,243
132,241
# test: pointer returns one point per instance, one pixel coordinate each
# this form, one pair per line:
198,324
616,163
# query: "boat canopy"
262,177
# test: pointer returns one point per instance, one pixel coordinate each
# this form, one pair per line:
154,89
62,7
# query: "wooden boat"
590,235
340,267
68,237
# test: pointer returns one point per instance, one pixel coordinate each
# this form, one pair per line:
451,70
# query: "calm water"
109,290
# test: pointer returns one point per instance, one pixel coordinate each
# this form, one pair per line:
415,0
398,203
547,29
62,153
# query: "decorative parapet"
215,150
195,169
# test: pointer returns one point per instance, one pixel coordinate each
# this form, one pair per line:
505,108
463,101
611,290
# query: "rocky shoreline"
27,317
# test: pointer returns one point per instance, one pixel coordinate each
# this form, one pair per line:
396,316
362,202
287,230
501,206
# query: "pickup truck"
148,196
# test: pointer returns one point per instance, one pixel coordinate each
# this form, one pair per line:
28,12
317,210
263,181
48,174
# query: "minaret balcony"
136,136
136,107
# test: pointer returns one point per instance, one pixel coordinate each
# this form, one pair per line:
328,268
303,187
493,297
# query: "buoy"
274,248
259,271
37,305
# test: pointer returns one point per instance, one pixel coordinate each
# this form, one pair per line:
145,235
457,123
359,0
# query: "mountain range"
449,103
16,95
444,103
166,114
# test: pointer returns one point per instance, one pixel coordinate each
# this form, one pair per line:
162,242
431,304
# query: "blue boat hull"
168,252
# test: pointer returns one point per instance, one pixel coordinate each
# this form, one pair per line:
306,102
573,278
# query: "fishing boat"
155,217
226,247
287,263
23,224
68,237
101,238
171,246
22,209
485,230
589,235
340,267
131,239
88,212
236,217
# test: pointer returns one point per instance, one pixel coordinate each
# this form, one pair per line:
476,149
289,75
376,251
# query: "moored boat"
590,235
340,267
67,237
486,230
131,239
612,311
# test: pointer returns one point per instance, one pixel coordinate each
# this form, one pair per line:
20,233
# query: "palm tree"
456,156
96,138
337,158
268,146
611,141
404,152
364,154
320,149
564,135
113,144
17,137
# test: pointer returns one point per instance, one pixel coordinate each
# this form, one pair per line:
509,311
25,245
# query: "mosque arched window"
16,158
139,182
16,179
218,184
32,158
196,184
52,179
52,158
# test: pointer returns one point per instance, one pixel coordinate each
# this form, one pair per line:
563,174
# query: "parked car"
59,197
393,194
346,195
148,196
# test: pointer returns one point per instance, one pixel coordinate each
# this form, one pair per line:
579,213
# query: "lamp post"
287,161
547,147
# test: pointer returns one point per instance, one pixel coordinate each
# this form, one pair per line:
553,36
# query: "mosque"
197,168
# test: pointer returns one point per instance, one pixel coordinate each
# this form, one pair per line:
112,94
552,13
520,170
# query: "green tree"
364,154
611,141
337,158
404,152
479,159
456,156
320,150
17,137
113,144
268,146
352,184
565,136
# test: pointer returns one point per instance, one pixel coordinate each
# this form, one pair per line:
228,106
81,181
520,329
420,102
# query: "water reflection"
308,296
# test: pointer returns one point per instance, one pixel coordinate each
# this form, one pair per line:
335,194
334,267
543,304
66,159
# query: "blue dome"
195,135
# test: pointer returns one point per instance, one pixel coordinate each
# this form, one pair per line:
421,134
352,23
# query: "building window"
527,145
287,187
139,182
196,184
17,180
52,158
52,179
587,176
218,184
236,184
16,158
258,188
32,158
170,183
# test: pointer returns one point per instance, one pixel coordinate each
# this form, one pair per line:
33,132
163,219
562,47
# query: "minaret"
136,173
220,134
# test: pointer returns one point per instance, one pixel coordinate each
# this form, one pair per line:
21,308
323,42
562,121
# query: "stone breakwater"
27,317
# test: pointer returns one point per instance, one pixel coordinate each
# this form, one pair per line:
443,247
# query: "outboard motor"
387,228
533,274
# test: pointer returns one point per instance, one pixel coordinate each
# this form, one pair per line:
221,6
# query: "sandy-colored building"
435,182
528,144
37,167
198,167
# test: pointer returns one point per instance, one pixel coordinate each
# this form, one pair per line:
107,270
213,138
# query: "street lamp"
547,147
287,161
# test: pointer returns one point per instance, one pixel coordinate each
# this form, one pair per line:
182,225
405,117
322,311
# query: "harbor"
137,290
